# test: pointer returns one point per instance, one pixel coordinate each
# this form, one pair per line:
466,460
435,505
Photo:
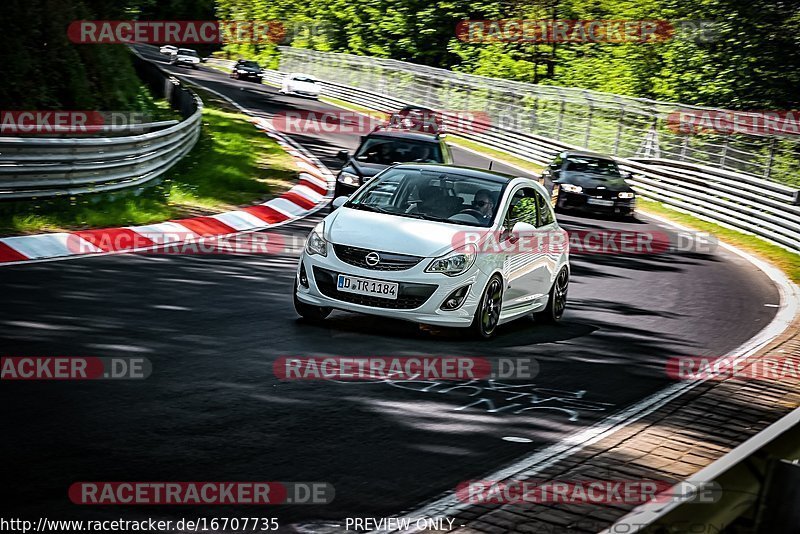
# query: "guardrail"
743,201
33,167
756,486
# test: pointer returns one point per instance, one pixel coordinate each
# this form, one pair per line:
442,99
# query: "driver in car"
484,204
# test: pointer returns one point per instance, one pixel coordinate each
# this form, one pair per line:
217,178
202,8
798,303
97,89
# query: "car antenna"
491,162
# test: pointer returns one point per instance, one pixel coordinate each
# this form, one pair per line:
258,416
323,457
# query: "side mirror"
339,201
626,174
520,228
343,155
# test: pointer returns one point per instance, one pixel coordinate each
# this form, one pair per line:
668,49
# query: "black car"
418,119
590,182
384,147
247,70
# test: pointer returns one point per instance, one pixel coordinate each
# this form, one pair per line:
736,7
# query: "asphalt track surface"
213,325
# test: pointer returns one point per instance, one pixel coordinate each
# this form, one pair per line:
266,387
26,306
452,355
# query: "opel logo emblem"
373,259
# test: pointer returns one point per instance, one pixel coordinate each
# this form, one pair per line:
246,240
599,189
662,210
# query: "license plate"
600,202
365,286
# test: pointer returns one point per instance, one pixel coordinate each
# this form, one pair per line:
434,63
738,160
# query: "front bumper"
580,202
420,294
307,94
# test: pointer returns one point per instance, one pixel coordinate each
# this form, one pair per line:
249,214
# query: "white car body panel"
528,276
293,86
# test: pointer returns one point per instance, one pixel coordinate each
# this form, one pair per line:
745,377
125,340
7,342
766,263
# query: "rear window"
304,79
385,151
187,52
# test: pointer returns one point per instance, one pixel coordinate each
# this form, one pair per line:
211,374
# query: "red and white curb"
313,190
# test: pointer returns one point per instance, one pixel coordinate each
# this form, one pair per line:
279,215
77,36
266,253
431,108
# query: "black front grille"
389,261
603,193
409,296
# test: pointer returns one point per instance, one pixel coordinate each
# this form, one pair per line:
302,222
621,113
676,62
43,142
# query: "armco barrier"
32,167
743,201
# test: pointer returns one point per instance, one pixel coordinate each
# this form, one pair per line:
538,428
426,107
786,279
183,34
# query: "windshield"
304,79
387,151
187,52
592,165
249,64
431,195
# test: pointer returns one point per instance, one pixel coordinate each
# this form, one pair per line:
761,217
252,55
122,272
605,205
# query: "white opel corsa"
441,245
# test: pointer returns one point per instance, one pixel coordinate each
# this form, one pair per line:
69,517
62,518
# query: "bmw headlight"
626,194
348,178
241,71
316,244
455,263
571,188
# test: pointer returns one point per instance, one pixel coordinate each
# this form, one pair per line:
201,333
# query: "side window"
545,212
522,208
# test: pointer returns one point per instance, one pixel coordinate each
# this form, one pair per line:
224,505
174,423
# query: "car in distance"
418,119
299,84
168,50
386,146
437,244
247,70
585,181
185,56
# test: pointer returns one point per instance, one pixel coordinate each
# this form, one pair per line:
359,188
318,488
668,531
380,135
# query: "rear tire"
557,300
314,314
487,315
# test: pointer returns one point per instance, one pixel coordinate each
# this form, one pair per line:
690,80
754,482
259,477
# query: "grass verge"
232,164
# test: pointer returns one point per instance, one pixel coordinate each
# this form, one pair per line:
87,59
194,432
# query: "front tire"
487,316
314,314
557,300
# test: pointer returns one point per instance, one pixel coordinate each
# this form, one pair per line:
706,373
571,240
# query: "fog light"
303,276
455,299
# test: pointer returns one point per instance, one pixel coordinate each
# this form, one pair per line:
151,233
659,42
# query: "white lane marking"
286,207
308,193
50,245
239,220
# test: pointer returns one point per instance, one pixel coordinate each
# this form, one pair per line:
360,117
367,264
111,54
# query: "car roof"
586,154
404,134
471,172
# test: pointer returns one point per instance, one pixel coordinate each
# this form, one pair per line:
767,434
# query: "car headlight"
348,178
570,188
626,194
316,244
455,263
240,71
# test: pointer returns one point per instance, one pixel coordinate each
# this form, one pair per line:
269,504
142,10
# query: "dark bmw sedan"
590,182
247,70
